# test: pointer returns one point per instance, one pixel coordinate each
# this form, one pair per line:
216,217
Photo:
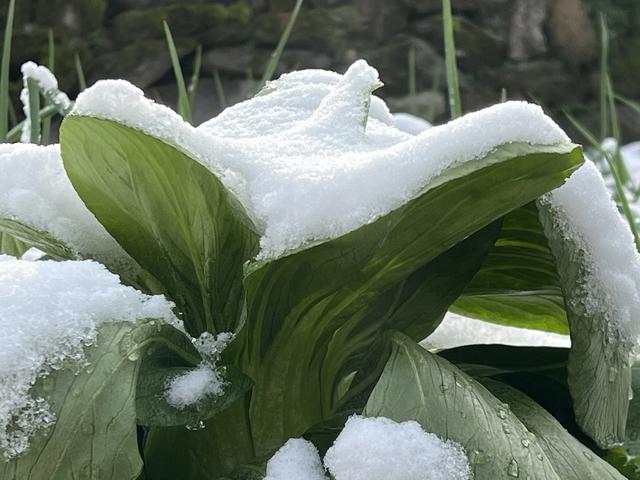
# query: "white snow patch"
585,214
35,191
204,380
320,175
49,311
458,330
409,123
297,459
381,449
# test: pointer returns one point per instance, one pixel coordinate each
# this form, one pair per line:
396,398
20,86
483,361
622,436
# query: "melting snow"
298,459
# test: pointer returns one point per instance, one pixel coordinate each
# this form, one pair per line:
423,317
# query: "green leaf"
313,316
420,386
10,245
518,284
599,370
570,458
170,213
95,432
632,435
30,237
626,464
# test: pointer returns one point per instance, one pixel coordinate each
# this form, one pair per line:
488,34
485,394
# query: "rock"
391,60
318,28
71,16
383,18
571,32
526,39
204,23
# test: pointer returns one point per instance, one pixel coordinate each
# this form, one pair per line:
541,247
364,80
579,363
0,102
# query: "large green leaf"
599,370
29,237
417,385
570,458
95,431
170,213
517,284
313,316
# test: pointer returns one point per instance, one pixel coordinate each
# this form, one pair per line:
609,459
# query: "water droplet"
588,456
444,387
539,456
525,443
506,429
479,457
133,356
513,470
502,414
195,426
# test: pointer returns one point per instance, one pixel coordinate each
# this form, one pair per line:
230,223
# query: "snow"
206,379
584,212
458,330
193,386
49,87
313,171
298,459
49,311
381,449
35,191
409,123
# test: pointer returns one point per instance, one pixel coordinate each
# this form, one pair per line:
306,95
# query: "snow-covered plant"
182,303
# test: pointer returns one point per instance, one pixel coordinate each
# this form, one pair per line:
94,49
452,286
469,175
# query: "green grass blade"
453,85
503,95
34,110
82,81
615,130
184,108
195,77
277,53
4,73
604,74
44,113
635,106
621,194
217,82
412,78
51,64
13,117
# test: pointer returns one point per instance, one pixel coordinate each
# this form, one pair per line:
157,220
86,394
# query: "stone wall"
541,50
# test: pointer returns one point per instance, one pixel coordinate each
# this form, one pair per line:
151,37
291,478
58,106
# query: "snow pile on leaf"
314,155
297,459
373,449
49,311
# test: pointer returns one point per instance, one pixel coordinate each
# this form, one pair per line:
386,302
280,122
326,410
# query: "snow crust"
49,311
35,191
458,330
206,379
585,214
314,156
381,449
297,459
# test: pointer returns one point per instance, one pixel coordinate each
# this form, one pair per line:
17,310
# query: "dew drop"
133,356
525,443
195,426
513,470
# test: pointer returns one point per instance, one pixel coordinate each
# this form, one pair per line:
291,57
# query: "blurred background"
543,51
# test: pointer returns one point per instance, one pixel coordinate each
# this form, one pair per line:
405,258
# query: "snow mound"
35,191
49,311
329,165
409,123
297,459
381,449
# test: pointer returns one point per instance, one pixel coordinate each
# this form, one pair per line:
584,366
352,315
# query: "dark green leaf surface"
11,246
599,371
94,436
517,284
170,213
313,316
570,458
420,386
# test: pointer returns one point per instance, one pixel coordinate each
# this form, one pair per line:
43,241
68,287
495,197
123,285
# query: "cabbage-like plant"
307,246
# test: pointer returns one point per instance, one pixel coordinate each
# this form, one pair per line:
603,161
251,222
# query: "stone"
526,38
571,32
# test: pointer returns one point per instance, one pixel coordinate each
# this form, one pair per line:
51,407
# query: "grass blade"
453,85
412,78
184,107
503,95
217,82
615,129
82,82
4,72
51,64
44,113
604,75
34,110
620,192
195,77
277,53
635,106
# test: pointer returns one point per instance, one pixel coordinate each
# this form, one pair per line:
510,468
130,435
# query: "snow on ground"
326,161
457,331
35,191
49,311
